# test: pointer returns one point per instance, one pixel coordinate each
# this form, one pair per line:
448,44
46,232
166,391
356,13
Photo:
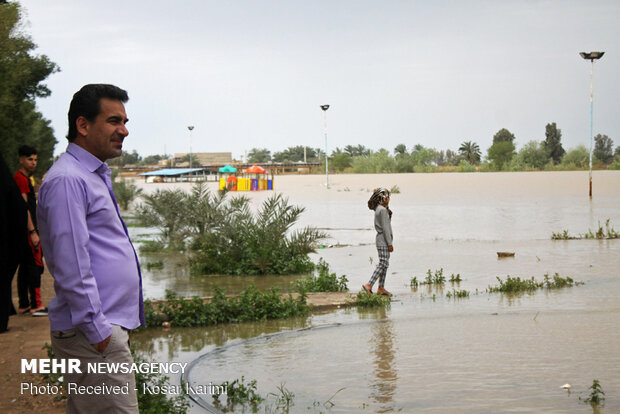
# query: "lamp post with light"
191,128
325,108
591,56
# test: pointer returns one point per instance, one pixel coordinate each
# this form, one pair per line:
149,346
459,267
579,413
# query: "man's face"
104,137
28,163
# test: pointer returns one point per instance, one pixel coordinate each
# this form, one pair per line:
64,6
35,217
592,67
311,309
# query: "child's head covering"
379,195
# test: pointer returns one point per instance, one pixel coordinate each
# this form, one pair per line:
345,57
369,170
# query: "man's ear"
82,124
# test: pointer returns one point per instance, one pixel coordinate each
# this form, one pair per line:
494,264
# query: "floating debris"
505,254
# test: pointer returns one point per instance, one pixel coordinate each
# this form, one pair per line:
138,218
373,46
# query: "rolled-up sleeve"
64,234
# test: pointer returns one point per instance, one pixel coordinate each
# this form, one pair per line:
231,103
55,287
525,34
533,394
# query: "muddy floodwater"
428,353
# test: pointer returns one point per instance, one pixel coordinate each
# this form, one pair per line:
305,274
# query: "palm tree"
471,151
400,149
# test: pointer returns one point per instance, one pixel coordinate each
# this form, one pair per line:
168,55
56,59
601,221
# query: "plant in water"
596,394
154,265
516,284
601,233
152,246
434,279
239,393
224,236
156,403
365,300
457,294
564,235
164,210
414,282
323,282
261,243
250,305
395,189
455,279
125,193
608,233
284,398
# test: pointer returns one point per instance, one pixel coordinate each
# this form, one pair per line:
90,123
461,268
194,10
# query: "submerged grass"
516,284
457,294
608,232
250,305
243,397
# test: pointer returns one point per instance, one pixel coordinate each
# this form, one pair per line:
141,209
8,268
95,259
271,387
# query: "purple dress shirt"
87,249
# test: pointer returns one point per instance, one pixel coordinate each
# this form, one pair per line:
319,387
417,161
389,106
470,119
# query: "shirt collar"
88,160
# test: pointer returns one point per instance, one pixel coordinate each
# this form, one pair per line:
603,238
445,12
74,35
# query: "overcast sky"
253,73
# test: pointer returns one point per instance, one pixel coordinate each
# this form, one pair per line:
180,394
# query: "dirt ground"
25,339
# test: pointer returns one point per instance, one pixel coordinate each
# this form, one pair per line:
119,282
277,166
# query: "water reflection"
173,342
382,343
174,275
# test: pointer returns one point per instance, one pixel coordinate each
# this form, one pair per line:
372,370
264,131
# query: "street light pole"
592,56
191,128
325,108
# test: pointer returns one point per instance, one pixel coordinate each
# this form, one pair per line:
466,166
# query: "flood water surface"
486,353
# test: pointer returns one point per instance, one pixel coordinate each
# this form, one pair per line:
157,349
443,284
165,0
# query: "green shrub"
323,282
152,246
364,300
125,193
250,305
464,166
225,237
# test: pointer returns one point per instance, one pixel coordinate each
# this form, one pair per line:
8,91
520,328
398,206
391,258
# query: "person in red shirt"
31,265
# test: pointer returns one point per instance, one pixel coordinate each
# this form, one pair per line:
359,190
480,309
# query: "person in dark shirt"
31,265
12,223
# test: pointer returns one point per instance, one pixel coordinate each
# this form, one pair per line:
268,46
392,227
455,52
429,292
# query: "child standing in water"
379,202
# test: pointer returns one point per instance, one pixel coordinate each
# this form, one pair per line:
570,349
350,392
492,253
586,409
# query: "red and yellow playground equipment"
252,179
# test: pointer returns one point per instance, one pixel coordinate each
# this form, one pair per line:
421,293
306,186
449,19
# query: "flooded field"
428,353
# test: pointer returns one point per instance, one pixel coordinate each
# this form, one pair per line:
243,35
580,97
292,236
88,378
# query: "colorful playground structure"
254,178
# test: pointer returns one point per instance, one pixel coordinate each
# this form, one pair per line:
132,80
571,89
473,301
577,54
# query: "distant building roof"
169,172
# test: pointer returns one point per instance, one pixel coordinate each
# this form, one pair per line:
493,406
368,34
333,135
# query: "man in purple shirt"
88,252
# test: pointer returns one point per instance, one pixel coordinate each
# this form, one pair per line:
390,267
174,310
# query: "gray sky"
253,73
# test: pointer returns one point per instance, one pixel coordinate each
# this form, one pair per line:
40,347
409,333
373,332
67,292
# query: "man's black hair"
86,103
26,151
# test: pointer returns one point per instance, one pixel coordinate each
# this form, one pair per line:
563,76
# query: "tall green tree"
552,143
357,150
259,155
578,157
503,135
129,158
340,161
295,154
603,149
471,152
501,153
400,149
21,82
534,155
